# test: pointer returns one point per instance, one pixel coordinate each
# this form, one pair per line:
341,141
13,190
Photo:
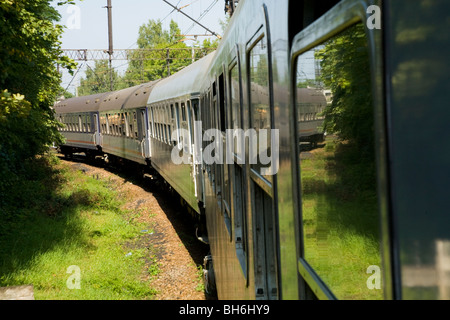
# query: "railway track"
178,252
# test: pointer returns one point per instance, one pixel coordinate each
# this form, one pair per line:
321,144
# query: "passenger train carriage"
346,197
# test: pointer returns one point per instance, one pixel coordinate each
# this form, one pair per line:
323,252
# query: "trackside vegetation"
29,83
58,220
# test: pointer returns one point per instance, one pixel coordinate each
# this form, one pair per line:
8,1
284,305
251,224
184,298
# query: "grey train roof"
129,98
89,103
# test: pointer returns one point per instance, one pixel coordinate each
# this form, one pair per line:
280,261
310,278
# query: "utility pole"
110,50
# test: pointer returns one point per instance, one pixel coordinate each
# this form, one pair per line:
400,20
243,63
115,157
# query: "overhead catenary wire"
202,15
204,27
74,76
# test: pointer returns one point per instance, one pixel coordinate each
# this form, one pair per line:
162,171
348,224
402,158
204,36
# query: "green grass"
56,218
340,218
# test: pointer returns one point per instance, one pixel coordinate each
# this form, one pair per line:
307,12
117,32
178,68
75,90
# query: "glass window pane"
235,105
260,107
338,168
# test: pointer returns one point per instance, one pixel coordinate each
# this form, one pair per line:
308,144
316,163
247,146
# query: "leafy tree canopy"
345,70
29,81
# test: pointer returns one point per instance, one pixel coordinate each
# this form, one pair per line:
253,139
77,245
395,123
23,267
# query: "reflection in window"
235,105
337,161
260,104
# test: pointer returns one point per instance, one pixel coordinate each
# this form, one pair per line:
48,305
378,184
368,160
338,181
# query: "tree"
97,80
169,53
345,70
29,82
155,64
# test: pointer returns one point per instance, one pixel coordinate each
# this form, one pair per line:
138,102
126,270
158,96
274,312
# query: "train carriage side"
241,188
174,108
123,123
80,118
370,203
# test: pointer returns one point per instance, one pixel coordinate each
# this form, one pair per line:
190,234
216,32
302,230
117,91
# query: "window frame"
332,23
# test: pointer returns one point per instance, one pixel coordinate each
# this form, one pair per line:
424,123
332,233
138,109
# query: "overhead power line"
201,25
133,54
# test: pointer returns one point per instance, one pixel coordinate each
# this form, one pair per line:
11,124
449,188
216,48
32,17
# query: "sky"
87,25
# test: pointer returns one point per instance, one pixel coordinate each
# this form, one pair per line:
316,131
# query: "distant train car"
80,117
310,116
124,123
363,215
174,107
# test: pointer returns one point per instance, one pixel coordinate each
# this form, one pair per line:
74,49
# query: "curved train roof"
128,98
187,81
89,103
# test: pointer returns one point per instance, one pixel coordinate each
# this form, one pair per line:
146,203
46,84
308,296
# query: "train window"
111,124
108,124
222,114
157,122
89,121
172,123
177,113
183,112
158,116
152,123
161,121
339,205
168,123
235,92
116,123
129,121
164,125
143,120
158,129
135,126
260,119
123,124
190,115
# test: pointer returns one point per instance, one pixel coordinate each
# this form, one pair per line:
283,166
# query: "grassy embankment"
55,218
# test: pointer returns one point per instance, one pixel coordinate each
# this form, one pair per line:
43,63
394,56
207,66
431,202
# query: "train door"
145,133
224,166
97,134
261,181
237,167
196,139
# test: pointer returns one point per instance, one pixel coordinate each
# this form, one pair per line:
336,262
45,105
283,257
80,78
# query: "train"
310,145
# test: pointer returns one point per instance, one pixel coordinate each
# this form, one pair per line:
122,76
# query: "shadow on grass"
35,217
167,198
